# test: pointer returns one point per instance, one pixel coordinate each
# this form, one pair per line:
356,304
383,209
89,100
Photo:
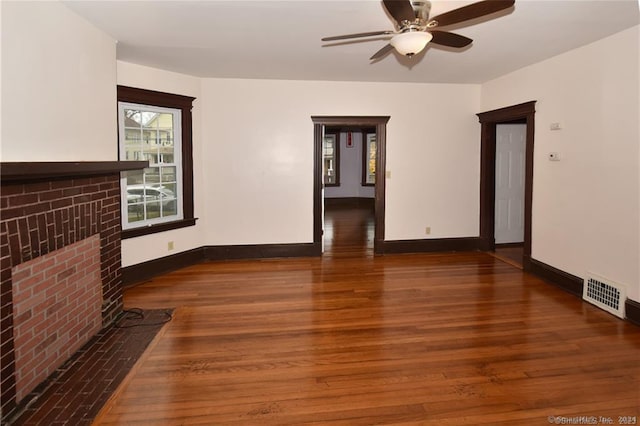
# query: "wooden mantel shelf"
11,172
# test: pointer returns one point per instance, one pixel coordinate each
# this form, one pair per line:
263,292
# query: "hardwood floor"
458,338
349,230
510,253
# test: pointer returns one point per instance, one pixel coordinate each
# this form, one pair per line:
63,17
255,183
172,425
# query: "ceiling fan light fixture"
411,42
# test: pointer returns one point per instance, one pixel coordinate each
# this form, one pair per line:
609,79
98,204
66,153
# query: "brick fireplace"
60,265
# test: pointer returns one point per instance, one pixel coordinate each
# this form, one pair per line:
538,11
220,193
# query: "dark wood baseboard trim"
350,202
431,245
574,285
135,274
144,271
557,277
632,311
261,251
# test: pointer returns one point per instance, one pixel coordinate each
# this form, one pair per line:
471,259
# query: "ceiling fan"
414,29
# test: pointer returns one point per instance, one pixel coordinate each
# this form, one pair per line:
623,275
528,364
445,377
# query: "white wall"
58,77
586,206
258,151
350,170
140,249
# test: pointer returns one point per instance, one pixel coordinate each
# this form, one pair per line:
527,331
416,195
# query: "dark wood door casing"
380,125
524,113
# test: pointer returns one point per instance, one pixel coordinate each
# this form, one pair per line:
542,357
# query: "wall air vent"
605,294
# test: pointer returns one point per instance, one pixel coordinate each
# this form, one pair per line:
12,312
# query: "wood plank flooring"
512,254
443,339
349,230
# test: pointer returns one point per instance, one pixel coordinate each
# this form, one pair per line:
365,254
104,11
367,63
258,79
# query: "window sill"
161,227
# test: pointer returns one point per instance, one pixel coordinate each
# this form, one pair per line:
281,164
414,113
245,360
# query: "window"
155,127
331,158
369,160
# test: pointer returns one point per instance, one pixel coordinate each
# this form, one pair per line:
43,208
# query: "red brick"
20,273
67,272
79,199
23,199
91,188
43,344
49,290
12,213
52,274
61,203
54,308
23,340
12,189
38,187
37,208
51,195
28,283
46,262
34,304
69,192
37,318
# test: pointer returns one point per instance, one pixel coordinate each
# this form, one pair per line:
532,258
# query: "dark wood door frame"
380,124
489,120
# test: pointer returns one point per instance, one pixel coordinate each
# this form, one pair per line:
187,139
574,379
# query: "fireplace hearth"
60,254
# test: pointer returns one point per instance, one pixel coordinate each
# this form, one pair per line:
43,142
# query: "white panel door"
510,155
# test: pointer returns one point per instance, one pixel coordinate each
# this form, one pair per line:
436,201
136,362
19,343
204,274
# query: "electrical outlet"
427,230
170,245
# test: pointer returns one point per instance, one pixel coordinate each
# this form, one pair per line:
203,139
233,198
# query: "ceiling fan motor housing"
421,9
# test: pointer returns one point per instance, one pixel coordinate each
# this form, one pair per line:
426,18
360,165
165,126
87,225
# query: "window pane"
134,177
152,175
169,208
132,145
330,159
170,189
165,129
371,158
135,212
167,174
133,118
153,210
151,195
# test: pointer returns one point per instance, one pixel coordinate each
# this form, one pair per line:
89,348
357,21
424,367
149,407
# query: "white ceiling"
281,39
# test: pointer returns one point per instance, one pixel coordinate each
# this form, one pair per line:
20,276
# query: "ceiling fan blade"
450,39
401,10
474,10
357,35
382,52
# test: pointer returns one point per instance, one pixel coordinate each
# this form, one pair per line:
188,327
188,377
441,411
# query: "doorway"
349,173
509,195
378,124
490,120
